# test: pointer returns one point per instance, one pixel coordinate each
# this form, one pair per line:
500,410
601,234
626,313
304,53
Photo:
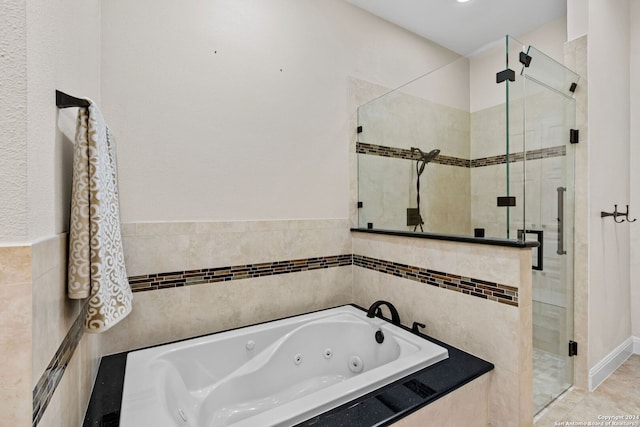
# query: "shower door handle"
561,250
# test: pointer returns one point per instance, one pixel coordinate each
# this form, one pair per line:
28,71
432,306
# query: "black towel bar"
65,101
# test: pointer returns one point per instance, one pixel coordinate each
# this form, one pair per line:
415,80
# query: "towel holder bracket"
67,101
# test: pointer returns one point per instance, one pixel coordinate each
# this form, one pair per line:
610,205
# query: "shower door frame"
548,80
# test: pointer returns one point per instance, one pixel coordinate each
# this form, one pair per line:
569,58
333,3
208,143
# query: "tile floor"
618,395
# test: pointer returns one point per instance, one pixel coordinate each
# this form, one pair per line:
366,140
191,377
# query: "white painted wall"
62,53
634,47
577,19
13,127
236,109
609,123
45,46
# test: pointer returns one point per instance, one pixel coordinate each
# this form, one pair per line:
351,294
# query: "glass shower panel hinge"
525,59
506,201
359,129
573,87
360,204
574,136
573,348
507,74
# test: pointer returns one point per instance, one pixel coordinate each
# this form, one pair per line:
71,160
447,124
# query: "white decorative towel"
96,257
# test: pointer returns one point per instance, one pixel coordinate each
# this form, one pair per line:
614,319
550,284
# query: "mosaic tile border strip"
48,382
176,279
467,285
401,153
478,288
543,153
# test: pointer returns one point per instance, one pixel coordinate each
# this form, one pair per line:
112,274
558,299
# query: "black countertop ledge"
493,241
379,408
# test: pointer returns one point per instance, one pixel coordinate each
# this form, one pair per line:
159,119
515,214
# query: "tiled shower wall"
487,139
391,125
388,188
459,188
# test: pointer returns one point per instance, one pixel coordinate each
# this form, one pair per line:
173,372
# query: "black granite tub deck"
380,408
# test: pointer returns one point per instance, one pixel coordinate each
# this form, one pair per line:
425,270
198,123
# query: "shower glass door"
548,115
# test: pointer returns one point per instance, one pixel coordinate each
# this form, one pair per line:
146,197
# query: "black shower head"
426,157
431,155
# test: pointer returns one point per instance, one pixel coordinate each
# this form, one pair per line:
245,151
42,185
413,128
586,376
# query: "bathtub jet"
273,374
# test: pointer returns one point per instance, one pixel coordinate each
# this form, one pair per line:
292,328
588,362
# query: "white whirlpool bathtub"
272,374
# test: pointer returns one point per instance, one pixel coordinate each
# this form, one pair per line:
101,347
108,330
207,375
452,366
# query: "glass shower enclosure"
542,119
429,162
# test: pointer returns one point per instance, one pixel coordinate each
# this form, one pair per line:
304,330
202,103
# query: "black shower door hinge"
507,74
574,136
506,201
525,59
359,129
573,348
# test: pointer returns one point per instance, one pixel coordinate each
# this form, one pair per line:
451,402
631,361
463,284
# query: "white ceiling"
466,27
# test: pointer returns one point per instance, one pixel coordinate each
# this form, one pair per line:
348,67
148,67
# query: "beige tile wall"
387,186
53,316
576,59
487,183
15,335
359,93
493,331
406,118
165,247
68,405
53,312
171,314
177,313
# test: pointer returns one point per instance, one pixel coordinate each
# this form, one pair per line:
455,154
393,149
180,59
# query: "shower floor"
548,373
551,370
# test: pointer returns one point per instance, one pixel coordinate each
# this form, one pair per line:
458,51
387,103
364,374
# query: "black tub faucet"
395,317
